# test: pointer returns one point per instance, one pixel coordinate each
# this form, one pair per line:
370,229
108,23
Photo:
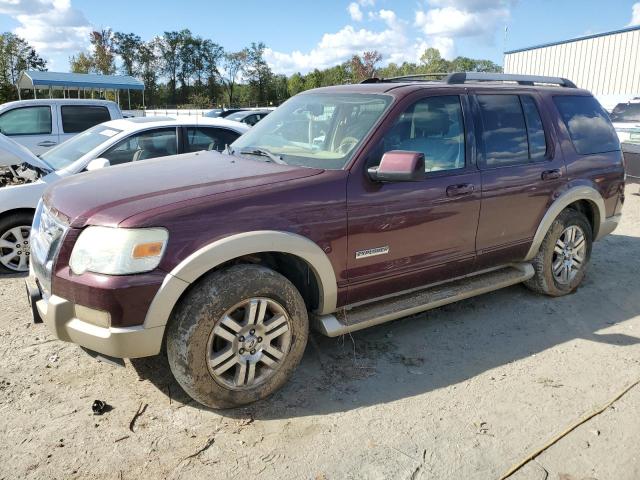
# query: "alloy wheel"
15,248
569,254
249,343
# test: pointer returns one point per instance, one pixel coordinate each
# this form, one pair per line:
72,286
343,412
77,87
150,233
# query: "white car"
42,124
626,120
116,142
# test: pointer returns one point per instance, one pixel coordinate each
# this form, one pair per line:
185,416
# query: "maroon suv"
346,207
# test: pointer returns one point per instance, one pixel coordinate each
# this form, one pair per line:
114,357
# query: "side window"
26,121
588,124
251,120
433,126
144,145
203,138
77,118
504,132
535,130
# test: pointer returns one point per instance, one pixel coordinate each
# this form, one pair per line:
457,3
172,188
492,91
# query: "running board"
404,305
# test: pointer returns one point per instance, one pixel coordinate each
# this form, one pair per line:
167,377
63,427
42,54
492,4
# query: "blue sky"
301,35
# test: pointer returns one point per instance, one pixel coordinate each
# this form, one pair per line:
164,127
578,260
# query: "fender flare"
572,195
216,253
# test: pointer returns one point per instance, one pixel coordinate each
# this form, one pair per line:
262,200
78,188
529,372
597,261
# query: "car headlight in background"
118,251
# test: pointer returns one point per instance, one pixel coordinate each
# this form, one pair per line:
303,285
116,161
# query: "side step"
403,305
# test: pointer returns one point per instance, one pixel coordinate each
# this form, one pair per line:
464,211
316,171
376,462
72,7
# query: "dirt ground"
464,391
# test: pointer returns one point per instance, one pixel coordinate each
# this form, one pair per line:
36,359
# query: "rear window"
588,124
77,118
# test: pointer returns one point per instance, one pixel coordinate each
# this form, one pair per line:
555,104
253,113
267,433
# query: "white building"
607,64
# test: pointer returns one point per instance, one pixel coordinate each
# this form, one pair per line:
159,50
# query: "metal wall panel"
606,64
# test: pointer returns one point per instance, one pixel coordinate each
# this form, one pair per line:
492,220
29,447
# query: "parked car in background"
250,117
399,196
112,143
222,113
626,120
42,124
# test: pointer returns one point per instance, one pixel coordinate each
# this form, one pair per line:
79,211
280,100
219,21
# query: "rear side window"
535,130
504,132
26,121
77,118
207,138
588,124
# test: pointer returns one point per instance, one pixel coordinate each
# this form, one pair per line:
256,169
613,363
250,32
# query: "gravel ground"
464,391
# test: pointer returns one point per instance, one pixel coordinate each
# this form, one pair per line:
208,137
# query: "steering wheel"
346,144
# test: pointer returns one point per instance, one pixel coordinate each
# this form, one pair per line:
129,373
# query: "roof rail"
462,77
413,77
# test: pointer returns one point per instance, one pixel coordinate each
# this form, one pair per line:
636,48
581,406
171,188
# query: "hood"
113,194
12,153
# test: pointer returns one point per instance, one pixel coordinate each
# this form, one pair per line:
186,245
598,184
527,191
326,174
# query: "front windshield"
319,130
68,152
626,112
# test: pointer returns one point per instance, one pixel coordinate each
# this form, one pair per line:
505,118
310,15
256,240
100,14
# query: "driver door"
404,235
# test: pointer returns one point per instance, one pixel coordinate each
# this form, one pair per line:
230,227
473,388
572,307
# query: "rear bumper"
609,225
90,328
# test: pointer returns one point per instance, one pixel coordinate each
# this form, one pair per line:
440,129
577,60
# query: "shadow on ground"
447,345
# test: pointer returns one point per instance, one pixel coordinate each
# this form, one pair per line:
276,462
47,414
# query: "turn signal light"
143,250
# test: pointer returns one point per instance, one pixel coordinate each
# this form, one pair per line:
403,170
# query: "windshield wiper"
263,153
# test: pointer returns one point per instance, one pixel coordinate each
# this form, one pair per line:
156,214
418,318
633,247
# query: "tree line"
179,68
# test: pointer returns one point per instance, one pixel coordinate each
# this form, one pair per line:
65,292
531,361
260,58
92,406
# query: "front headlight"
118,251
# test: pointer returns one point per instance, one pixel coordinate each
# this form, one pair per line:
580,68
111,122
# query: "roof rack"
462,77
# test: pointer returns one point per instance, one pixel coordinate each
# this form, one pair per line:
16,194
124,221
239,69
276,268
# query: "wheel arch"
584,199
15,211
262,247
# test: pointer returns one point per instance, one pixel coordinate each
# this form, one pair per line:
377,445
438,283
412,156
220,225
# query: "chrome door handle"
47,143
551,174
461,189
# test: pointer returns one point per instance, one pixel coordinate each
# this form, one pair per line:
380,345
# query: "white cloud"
392,42
355,12
635,14
52,27
448,20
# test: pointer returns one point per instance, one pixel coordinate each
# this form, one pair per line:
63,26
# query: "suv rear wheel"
14,242
237,336
561,262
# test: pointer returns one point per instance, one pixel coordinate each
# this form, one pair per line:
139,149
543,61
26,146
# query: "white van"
42,124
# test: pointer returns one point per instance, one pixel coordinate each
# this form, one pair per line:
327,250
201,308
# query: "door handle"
461,189
551,174
47,143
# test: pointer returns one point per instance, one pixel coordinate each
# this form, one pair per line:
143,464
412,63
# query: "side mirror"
98,163
399,166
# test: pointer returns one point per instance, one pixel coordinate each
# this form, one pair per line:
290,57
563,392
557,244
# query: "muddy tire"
563,258
237,336
14,232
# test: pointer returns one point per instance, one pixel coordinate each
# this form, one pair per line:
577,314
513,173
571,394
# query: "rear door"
33,126
522,169
404,235
77,118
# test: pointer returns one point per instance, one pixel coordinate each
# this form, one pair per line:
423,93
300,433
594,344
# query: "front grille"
47,234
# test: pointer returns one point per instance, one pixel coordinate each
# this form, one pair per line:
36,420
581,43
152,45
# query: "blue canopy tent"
82,82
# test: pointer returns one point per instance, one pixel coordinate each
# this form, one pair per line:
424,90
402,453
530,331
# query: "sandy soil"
464,391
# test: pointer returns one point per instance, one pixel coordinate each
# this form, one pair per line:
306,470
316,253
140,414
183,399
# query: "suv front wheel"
237,336
561,262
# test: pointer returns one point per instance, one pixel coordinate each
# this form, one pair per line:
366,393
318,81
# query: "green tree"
16,56
295,84
127,46
432,62
234,65
258,73
81,63
103,51
169,48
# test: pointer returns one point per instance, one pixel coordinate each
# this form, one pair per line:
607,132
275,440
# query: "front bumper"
81,325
